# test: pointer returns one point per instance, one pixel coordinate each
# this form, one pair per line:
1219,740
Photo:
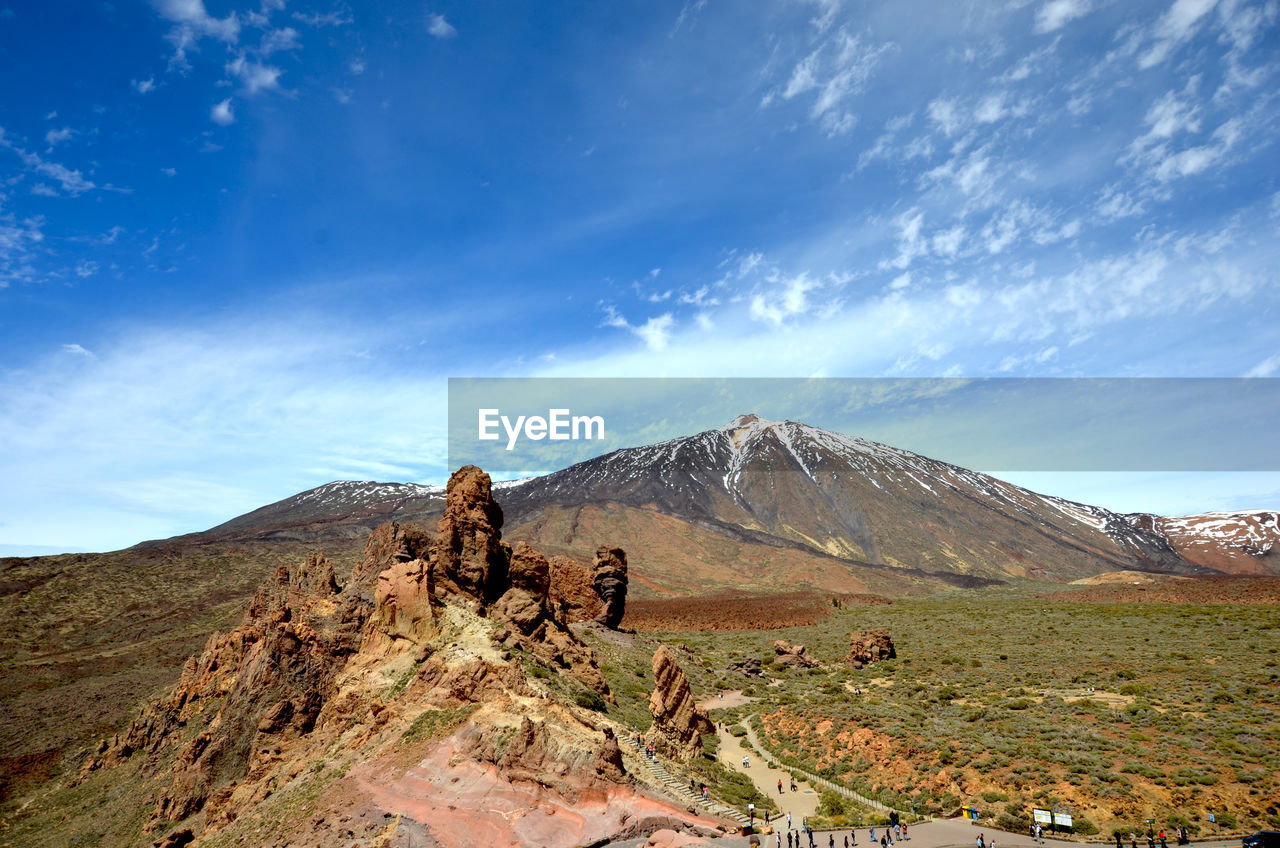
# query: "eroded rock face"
793,655
310,664
470,559
609,582
677,718
571,595
274,674
869,646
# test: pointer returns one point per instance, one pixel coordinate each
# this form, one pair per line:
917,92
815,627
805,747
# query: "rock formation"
273,674
609,581
869,646
571,595
470,559
314,665
793,656
677,718
749,667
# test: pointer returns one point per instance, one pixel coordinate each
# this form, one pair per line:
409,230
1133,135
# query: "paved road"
940,833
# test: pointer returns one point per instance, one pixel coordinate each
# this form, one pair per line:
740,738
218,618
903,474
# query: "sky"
243,246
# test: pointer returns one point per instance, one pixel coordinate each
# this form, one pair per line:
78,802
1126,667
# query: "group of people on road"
795,838
1180,832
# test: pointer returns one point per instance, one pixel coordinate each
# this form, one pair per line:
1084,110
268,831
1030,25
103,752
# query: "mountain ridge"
779,485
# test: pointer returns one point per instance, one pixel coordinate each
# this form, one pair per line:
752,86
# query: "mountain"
759,502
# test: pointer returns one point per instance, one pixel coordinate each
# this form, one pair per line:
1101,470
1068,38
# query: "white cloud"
947,242
285,38
323,20
1057,13
43,190
85,268
143,86
910,242
72,181
837,70
356,66
990,109
191,23
55,137
1266,368
169,172
944,113
656,331
439,27
786,299
254,75
179,429
222,113
1177,25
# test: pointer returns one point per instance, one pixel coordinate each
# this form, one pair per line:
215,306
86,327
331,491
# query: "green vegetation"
1003,700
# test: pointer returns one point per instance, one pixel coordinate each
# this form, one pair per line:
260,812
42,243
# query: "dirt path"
724,700
801,803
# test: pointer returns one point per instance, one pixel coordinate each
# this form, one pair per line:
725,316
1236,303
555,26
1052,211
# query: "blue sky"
243,246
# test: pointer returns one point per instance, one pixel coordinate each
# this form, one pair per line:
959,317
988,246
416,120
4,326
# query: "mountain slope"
757,501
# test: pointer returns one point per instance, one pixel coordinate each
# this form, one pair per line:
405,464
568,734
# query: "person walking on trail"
884,839
1133,840
1119,844
1163,843
873,834
1151,840
831,840
788,821
905,837
982,843
779,786
789,845
793,783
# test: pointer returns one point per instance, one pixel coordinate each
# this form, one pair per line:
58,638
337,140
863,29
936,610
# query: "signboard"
1046,817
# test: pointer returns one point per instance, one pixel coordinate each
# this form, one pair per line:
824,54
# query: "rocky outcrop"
677,719
609,582
470,559
793,655
868,647
749,667
271,677
314,665
571,595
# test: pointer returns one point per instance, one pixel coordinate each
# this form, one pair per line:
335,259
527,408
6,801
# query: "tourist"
982,842
905,837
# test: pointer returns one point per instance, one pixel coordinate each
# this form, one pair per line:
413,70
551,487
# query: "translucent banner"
526,426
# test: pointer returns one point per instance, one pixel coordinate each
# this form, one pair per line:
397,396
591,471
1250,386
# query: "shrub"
591,699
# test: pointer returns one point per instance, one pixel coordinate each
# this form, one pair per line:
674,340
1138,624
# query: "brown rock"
177,839
404,606
793,656
869,646
676,716
609,581
609,758
470,559
571,596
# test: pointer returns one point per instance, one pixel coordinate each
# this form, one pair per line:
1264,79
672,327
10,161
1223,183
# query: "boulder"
868,647
793,656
